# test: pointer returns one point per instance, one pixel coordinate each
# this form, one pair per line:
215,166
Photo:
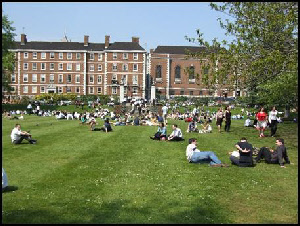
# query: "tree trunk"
287,111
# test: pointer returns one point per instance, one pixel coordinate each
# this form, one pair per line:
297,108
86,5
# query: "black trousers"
264,153
176,139
22,137
273,127
227,125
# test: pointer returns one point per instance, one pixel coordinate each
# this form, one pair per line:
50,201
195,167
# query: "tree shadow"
9,189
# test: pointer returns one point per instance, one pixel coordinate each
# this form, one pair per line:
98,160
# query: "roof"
78,46
178,49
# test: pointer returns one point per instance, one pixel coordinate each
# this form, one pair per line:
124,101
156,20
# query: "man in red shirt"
261,117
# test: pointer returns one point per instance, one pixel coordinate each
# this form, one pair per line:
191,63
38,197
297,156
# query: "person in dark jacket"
244,159
274,156
227,119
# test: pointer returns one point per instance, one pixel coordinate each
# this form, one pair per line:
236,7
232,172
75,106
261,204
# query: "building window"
134,79
125,56
125,67
158,71
135,67
34,77
92,79
177,72
135,56
13,78
25,89
77,89
60,66
69,56
43,55
91,56
192,72
135,90
115,67
69,89
43,66
99,90
25,55
125,90
205,70
77,67
61,56
34,89
42,89
34,66
92,67
43,78
91,90
51,66
191,93
99,56
69,66
114,90
69,78
124,79
60,90
34,55
172,92
99,79
51,55
13,89
77,79
115,55
25,66
60,78
182,92
25,78
51,78
78,56
200,92
99,67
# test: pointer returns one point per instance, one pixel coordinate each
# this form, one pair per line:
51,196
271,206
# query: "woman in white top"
273,121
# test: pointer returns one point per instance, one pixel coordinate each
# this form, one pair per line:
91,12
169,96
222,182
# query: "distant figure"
261,117
29,108
227,119
176,135
107,127
248,123
273,120
219,119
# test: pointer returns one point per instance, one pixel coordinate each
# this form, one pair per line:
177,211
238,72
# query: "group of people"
161,133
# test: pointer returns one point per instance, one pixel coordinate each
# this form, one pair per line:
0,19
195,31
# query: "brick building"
79,67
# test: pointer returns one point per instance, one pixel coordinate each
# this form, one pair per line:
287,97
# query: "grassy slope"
76,176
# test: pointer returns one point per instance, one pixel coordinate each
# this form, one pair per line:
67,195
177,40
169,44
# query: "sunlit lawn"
74,175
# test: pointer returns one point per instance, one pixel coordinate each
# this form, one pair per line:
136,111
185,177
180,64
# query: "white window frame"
135,79
13,77
34,78
43,76
34,89
51,76
69,81
69,89
77,78
115,67
60,56
43,55
25,89
13,89
52,55
125,67
59,89
114,90
78,56
98,90
114,77
42,89
25,76
92,67
69,56
34,67
91,79
91,90
99,56
125,80
137,67
61,66
99,76
135,90
135,56
51,66
78,67
115,56
77,89
42,66
25,55
69,66
34,55
25,66
125,56
60,78
92,56
99,67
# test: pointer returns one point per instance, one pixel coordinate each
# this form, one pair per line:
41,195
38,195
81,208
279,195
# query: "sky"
155,23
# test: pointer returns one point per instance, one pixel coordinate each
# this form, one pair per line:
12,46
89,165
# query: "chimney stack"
23,39
86,40
136,39
107,41
151,50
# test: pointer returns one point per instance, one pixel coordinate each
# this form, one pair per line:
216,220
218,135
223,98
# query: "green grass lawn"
73,175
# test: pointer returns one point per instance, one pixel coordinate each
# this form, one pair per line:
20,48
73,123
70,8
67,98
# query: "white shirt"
190,149
273,115
176,133
165,110
15,134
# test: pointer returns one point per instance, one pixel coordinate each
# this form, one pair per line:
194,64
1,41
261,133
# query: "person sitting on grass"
176,135
106,127
194,155
243,157
17,135
206,127
161,133
274,156
192,127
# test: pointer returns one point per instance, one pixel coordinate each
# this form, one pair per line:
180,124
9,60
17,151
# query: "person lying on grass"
194,155
17,135
161,133
243,156
176,135
274,156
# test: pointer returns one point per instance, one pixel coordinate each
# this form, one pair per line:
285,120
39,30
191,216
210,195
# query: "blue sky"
154,23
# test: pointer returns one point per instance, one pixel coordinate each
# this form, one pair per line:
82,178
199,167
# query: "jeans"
205,156
19,140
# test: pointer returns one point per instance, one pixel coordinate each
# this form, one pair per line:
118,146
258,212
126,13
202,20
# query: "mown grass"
74,175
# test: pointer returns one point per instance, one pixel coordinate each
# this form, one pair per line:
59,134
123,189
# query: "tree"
264,54
8,58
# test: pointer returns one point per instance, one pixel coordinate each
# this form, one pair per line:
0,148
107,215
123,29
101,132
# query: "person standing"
165,112
38,108
273,121
227,119
219,119
29,108
261,117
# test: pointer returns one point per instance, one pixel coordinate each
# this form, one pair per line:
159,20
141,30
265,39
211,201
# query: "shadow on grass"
9,189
